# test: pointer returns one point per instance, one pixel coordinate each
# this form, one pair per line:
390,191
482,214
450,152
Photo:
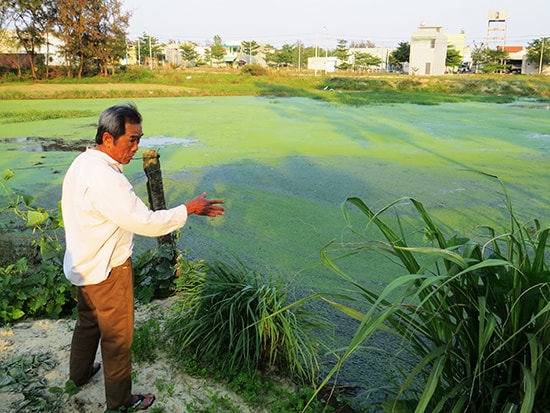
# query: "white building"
52,50
458,42
428,51
51,47
323,64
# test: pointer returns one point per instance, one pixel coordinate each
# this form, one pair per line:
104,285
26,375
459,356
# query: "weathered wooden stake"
155,190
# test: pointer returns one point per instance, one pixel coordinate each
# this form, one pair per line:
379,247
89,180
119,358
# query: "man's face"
126,146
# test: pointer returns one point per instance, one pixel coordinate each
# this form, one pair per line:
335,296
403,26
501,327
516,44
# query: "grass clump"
145,346
234,316
474,315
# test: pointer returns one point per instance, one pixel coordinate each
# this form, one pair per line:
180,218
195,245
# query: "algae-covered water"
285,166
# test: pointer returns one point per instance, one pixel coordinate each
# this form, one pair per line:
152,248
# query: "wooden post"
155,190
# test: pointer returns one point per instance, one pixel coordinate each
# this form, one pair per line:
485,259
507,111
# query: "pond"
284,166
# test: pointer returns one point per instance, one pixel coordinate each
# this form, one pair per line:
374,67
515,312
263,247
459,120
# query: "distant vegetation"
134,82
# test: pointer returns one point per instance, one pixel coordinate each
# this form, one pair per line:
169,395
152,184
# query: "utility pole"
541,55
299,56
316,52
326,49
150,54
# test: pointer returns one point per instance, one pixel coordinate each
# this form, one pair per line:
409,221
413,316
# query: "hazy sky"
323,22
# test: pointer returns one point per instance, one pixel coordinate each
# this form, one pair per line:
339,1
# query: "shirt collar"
106,158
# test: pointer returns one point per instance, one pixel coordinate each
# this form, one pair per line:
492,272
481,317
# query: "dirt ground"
174,390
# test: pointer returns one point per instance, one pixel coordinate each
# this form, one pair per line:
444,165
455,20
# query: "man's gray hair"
113,120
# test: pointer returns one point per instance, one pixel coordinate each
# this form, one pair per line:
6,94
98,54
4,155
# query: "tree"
364,61
342,53
5,12
269,53
150,48
453,58
307,52
400,55
490,60
285,56
208,55
217,51
250,48
362,44
112,43
31,19
93,33
73,21
538,52
189,54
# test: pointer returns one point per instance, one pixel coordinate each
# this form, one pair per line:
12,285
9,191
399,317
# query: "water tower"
496,29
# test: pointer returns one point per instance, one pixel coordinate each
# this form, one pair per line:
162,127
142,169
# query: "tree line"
93,36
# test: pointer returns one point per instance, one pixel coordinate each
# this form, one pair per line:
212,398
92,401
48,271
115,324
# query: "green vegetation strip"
36,115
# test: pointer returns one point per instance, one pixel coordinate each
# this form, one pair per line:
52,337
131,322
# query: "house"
236,56
231,54
428,51
518,62
516,56
13,55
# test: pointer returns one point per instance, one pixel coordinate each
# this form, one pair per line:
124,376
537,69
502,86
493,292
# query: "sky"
324,22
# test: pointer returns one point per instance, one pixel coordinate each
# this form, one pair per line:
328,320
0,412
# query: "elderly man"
101,214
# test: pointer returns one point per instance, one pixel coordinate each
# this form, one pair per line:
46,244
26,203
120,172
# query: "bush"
356,84
254,70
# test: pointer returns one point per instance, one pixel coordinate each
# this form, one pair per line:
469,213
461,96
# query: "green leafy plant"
154,273
23,375
38,291
232,314
43,223
474,315
38,288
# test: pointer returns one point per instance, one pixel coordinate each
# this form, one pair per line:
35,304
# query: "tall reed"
473,313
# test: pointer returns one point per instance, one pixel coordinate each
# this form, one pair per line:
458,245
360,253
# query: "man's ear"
108,139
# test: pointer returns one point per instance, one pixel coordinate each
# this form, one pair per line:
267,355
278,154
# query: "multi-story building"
428,51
